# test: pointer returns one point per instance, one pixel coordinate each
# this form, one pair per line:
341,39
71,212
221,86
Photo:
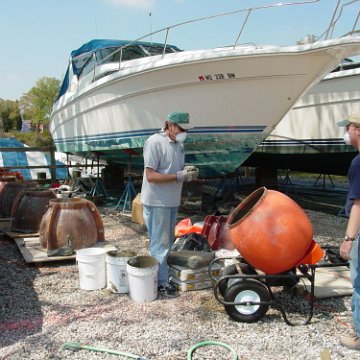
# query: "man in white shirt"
164,174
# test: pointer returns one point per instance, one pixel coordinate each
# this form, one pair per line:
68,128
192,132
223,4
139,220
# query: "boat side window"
107,55
158,50
132,52
113,54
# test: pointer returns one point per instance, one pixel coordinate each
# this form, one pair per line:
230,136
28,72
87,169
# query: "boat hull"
235,98
307,138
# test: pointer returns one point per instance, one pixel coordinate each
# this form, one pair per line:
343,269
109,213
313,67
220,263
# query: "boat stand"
127,196
229,182
129,192
285,179
323,177
98,188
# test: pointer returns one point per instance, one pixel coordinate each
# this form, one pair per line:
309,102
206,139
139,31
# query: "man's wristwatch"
348,238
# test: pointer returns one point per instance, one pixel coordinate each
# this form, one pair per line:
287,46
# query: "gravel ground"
41,308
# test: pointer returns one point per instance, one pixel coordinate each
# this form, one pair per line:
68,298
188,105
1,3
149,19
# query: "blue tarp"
30,158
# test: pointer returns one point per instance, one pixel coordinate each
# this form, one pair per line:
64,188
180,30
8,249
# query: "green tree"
38,101
10,118
34,138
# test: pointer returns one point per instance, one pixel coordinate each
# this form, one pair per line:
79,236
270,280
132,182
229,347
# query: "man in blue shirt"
164,174
349,249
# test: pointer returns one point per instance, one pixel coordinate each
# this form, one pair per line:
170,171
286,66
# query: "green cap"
181,119
352,119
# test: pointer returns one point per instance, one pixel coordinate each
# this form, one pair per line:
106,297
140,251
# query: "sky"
37,36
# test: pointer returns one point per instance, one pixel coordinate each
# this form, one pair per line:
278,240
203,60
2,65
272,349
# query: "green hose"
207,343
77,346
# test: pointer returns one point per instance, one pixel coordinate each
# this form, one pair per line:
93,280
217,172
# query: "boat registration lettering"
220,76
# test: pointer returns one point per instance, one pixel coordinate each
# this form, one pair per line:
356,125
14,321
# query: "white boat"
117,93
307,138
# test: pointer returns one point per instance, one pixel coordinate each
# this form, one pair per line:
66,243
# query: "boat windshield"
84,63
158,50
113,54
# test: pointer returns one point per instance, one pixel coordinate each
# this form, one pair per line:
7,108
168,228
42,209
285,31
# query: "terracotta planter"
71,222
8,194
28,210
270,231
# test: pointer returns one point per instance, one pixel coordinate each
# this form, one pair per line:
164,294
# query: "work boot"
351,342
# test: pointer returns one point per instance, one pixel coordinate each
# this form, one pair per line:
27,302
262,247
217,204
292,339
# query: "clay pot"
28,210
71,222
8,194
270,231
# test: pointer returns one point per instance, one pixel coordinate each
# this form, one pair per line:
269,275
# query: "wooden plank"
33,252
20,235
331,282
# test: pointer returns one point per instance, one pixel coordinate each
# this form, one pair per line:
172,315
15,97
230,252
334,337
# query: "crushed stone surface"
43,307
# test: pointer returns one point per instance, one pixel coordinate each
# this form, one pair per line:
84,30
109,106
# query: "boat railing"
247,11
328,33
166,30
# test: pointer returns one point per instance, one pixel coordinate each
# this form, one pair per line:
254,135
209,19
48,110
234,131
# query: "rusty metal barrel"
28,210
71,222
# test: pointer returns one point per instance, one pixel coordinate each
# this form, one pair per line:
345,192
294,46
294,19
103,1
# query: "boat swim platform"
31,249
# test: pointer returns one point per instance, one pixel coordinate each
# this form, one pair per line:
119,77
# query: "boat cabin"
102,57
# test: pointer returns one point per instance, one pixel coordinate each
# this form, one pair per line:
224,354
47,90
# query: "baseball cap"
181,119
352,119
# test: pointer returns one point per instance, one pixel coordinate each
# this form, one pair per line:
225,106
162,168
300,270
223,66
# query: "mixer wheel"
248,290
224,284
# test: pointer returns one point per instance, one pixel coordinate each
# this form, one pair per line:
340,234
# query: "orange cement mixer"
272,232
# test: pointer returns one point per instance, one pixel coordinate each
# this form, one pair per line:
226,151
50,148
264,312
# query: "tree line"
36,106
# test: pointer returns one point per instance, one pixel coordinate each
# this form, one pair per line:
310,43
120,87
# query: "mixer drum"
71,222
270,231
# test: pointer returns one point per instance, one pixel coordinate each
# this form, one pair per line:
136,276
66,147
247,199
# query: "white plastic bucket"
143,278
91,262
117,278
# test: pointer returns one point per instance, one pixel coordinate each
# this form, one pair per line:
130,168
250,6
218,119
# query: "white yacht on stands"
117,93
